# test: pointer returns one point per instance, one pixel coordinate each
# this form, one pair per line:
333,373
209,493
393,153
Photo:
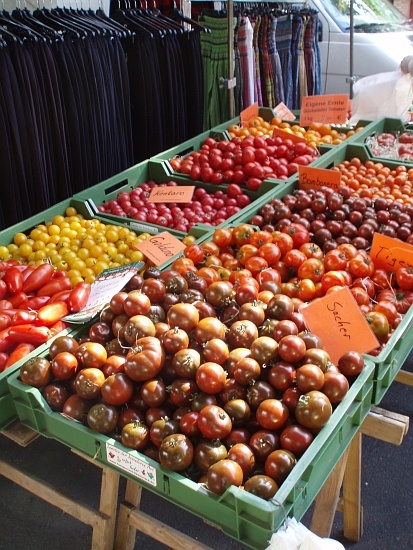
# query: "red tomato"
214,422
78,297
404,278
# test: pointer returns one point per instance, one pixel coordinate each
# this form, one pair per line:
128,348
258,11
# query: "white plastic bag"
382,95
295,536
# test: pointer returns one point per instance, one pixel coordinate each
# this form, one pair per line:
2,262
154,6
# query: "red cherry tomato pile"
245,161
207,208
211,378
33,300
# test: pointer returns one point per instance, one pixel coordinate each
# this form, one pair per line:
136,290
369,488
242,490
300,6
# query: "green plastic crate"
140,173
238,514
346,151
6,235
191,145
391,359
8,413
384,125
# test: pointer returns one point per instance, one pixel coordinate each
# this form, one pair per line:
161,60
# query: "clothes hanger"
118,29
125,17
8,23
23,15
177,15
50,18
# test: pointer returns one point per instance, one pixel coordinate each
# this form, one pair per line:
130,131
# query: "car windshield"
368,15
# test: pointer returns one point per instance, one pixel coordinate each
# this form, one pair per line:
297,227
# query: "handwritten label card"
249,113
337,319
327,109
283,112
173,193
389,254
314,178
160,248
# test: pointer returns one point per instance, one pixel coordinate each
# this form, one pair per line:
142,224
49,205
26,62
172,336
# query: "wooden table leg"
104,529
327,499
126,532
352,509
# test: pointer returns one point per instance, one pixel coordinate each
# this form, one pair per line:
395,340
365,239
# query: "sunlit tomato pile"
33,302
391,146
208,208
206,377
315,134
287,261
83,248
246,161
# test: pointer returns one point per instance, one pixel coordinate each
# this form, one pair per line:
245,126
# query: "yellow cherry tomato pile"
83,248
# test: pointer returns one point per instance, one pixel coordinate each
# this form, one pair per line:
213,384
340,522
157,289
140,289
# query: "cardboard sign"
314,178
173,193
337,319
249,113
327,109
389,254
160,248
287,135
109,282
283,112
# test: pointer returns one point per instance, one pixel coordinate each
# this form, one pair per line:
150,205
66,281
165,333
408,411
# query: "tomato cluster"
208,208
81,247
338,217
33,300
201,376
315,134
245,161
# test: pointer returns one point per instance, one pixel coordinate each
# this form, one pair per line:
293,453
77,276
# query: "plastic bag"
382,95
295,536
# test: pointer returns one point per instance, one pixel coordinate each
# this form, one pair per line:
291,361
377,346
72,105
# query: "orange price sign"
389,254
287,135
173,193
161,247
249,113
314,178
337,319
283,112
327,109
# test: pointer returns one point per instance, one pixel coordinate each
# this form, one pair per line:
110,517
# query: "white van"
381,38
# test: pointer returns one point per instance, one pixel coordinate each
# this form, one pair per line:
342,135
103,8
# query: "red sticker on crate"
172,193
337,319
314,178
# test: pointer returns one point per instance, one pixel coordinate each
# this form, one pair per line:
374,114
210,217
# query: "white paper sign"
131,464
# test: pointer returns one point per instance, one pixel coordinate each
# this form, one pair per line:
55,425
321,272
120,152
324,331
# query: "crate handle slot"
116,186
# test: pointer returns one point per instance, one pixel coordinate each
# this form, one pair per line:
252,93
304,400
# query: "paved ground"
27,522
